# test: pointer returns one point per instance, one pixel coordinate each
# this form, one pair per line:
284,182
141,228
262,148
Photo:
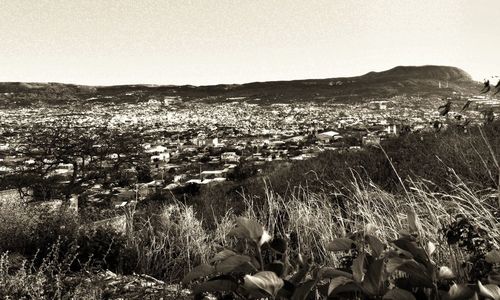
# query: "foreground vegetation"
417,218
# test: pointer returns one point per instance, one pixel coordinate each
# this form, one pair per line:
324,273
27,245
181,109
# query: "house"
212,142
381,105
195,181
163,156
63,169
230,157
328,136
5,169
156,150
206,181
213,174
392,129
179,178
171,186
371,140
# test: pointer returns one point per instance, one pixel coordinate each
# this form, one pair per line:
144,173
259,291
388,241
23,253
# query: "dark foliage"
475,242
105,249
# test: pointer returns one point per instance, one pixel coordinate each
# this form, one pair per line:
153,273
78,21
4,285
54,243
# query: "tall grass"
170,242
316,217
22,278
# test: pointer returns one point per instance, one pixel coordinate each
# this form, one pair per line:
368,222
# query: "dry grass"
174,240
21,278
171,242
317,218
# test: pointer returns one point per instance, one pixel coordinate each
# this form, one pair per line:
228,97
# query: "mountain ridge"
428,81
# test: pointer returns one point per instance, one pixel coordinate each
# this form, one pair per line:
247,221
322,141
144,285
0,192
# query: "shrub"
436,157
50,279
104,249
28,229
170,242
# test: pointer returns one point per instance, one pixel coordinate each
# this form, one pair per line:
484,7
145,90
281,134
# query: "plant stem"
259,254
498,188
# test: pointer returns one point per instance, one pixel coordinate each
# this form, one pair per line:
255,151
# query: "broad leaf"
494,277
340,244
286,291
493,257
264,284
358,268
222,255
399,294
415,270
407,244
375,244
337,282
491,291
248,229
245,268
393,263
460,292
231,263
374,278
303,290
277,267
445,273
200,271
430,248
329,272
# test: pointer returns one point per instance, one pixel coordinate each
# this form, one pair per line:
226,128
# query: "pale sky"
234,41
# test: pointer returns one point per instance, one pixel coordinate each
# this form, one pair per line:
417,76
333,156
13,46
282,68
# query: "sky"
204,42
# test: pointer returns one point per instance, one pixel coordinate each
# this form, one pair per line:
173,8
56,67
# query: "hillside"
414,216
409,80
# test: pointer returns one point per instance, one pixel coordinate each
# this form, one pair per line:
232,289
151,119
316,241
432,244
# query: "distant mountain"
422,72
425,81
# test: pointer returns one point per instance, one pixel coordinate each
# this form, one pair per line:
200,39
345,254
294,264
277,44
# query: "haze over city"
209,42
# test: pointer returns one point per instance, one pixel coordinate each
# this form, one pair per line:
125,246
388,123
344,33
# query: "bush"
440,158
169,243
50,278
104,249
28,229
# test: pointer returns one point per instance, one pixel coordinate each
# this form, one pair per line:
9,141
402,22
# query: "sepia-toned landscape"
379,185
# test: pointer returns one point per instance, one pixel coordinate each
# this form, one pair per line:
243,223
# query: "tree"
97,156
242,172
143,173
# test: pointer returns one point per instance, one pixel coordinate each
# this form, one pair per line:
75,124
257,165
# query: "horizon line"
228,84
